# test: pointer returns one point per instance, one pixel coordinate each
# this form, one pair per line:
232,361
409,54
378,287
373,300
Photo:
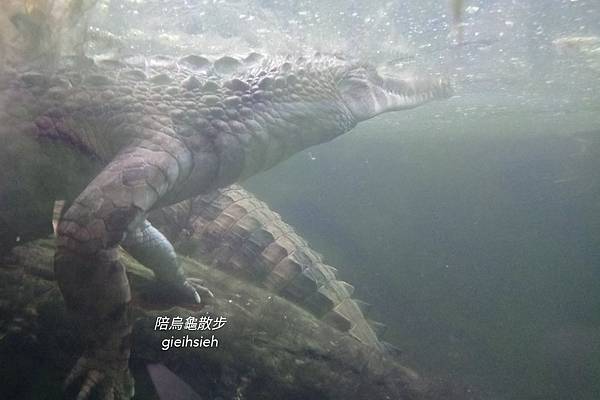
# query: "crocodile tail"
235,232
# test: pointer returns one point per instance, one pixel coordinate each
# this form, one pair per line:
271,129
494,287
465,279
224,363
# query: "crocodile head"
368,93
314,100
302,103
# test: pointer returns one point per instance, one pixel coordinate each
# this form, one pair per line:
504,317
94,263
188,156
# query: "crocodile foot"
201,291
110,380
191,293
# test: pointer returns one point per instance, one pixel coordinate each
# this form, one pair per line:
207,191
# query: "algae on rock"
268,349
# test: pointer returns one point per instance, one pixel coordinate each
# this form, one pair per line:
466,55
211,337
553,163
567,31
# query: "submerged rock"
268,348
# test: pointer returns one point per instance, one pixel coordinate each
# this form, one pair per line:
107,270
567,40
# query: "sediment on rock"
269,348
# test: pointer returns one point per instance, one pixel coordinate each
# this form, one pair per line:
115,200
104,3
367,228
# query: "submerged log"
267,349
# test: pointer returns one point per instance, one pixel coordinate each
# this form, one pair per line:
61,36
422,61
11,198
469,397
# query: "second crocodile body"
230,229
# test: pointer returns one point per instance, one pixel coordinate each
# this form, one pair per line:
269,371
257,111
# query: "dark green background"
480,248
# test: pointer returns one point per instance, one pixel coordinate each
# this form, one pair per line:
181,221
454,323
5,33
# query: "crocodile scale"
118,138
234,231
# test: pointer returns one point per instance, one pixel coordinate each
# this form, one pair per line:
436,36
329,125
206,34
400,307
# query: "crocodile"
118,138
231,230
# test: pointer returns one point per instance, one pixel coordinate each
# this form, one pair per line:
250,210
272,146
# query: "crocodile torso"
230,229
118,138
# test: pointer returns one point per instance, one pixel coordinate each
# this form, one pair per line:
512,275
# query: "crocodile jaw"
368,94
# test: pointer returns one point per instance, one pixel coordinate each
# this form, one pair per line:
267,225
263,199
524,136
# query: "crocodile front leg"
91,278
152,249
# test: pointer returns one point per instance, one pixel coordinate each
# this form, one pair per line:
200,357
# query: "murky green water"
479,249
473,224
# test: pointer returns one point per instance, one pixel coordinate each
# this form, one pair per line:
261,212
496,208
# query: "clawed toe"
117,385
193,288
91,381
189,293
203,291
